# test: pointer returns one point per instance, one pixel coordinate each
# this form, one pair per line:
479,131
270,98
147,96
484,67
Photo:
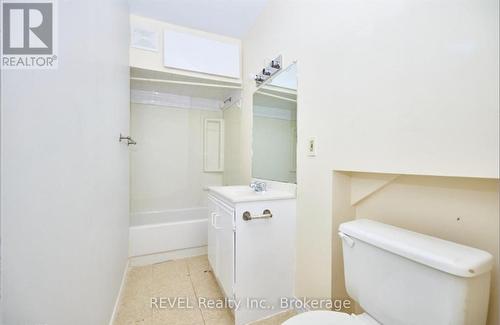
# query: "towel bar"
266,214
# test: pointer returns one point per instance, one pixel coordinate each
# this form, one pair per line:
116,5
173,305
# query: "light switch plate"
311,146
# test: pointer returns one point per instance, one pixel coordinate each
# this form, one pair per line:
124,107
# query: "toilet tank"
400,277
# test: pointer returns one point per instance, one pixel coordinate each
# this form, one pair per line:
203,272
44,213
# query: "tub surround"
158,182
167,198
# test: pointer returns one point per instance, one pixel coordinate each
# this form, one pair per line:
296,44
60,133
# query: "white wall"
388,86
167,163
64,174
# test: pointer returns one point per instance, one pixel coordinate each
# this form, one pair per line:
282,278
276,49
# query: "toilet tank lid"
437,253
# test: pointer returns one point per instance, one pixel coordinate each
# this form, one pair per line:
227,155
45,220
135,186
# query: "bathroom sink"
243,193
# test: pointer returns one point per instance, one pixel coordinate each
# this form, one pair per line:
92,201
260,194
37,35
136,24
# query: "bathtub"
168,234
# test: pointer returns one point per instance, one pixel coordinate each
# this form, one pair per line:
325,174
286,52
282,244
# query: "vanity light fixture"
267,72
276,64
259,79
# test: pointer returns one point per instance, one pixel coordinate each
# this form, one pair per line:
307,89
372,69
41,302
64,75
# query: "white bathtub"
168,232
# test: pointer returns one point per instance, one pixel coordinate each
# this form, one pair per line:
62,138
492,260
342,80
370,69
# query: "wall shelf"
178,84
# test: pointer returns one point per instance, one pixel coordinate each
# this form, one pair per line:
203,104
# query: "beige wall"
166,165
389,86
463,210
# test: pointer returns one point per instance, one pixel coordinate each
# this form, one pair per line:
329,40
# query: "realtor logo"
28,35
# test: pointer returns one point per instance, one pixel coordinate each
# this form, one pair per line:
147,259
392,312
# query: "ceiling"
226,17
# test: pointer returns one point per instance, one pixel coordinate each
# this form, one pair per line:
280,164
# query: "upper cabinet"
164,47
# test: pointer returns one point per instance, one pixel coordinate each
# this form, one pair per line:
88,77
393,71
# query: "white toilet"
400,277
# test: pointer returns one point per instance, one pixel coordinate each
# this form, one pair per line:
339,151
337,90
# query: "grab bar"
266,214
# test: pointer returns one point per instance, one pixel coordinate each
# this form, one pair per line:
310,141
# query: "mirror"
274,133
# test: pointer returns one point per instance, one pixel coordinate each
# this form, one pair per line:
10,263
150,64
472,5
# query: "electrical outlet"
311,147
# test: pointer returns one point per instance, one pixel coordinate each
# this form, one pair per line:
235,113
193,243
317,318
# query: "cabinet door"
265,261
224,223
212,233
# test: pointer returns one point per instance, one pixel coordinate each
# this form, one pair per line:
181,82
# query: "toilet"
400,277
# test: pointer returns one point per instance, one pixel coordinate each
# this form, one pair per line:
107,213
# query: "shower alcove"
177,121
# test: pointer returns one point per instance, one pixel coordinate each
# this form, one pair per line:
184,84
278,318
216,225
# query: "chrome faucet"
258,186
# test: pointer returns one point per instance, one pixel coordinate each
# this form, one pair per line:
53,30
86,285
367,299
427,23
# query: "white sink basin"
242,193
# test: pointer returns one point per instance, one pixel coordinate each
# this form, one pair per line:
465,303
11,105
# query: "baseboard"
167,256
118,297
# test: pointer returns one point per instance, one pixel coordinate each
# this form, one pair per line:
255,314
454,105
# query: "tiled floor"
187,278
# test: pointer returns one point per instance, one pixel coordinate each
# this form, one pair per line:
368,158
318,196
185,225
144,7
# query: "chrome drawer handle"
266,214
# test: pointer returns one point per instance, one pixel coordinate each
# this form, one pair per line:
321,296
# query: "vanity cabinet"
252,260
